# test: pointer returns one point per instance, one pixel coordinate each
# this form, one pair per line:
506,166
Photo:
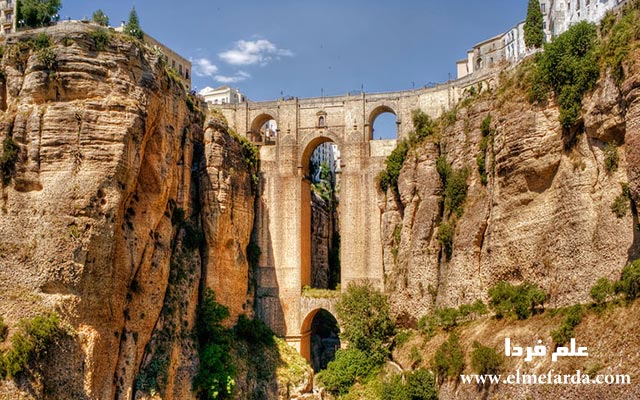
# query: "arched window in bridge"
321,121
384,124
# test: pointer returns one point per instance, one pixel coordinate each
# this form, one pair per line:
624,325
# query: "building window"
543,8
544,24
186,74
321,121
173,64
577,4
180,69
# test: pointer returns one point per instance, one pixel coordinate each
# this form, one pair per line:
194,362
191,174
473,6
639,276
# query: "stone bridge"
284,212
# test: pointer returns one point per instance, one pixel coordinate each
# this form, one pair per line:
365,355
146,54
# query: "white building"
8,12
222,95
558,16
561,14
327,153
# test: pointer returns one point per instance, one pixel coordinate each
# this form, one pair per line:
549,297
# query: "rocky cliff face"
103,213
544,216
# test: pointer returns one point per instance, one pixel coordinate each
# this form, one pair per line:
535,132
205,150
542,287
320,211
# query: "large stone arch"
305,330
310,143
375,113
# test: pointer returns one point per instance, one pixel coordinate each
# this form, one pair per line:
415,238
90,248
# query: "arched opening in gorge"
320,338
320,226
383,124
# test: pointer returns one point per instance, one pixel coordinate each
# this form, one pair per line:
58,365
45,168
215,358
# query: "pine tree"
533,28
100,18
133,25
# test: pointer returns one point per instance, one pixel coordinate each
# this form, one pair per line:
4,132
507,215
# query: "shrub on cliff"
30,343
564,332
448,362
419,384
4,330
101,38
569,67
620,205
601,291
629,283
388,178
8,159
521,301
446,233
485,360
215,379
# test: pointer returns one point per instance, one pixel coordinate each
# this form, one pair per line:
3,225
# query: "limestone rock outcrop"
102,214
544,215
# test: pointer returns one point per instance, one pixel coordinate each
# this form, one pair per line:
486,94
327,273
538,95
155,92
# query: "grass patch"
308,291
611,157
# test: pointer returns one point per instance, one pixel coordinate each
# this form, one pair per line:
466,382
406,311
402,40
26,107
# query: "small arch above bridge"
379,111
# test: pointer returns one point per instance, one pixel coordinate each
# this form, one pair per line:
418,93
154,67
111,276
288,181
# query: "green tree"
350,366
448,361
533,27
133,25
485,360
37,13
216,372
366,321
100,18
417,385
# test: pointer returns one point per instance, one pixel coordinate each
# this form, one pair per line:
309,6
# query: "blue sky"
312,48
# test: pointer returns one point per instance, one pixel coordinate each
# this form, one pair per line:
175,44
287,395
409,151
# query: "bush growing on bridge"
521,301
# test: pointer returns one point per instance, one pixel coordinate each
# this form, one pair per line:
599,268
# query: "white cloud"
204,67
248,52
238,77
